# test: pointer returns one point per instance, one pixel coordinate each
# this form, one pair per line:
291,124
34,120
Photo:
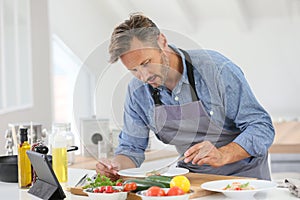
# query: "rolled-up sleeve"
132,147
257,132
133,139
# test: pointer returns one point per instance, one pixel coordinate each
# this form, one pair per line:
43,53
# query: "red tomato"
174,191
96,190
130,186
119,184
155,191
102,189
133,186
109,189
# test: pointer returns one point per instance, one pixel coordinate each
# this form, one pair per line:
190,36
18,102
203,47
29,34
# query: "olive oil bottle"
24,165
60,158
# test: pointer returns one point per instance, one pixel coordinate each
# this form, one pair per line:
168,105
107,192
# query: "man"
197,100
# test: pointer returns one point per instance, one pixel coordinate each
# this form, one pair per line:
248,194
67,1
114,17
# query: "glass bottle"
70,142
66,128
59,155
24,165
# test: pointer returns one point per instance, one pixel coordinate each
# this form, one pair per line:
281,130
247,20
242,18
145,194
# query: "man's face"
149,64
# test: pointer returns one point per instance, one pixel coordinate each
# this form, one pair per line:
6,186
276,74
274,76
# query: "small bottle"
24,165
59,157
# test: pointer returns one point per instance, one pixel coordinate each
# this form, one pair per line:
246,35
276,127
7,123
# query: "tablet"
47,185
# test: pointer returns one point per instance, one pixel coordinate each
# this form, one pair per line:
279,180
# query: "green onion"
245,185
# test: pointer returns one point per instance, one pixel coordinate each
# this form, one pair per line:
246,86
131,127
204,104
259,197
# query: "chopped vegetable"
238,186
101,180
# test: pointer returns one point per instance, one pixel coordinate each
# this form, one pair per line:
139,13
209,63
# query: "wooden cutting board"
195,179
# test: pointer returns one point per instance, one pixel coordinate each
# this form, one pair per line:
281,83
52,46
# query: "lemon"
182,182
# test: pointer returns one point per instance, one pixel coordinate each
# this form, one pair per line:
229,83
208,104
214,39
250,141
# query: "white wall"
41,111
262,37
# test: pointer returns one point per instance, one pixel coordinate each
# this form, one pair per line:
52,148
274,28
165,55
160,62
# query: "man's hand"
111,167
206,153
108,168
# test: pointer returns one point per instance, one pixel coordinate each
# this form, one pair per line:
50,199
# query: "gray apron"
188,124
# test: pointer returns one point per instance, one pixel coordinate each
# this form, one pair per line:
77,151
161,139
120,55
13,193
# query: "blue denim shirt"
225,95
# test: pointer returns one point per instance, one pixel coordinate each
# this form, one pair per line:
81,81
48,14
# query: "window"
66,66
15,56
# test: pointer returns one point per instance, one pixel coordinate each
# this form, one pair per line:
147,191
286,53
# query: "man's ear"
162,41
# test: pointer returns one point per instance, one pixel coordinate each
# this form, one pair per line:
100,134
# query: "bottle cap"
23,135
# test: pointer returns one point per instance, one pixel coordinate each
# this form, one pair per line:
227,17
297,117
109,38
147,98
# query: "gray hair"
139,26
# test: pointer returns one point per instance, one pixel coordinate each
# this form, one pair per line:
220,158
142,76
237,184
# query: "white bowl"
259,186
142,194
106,196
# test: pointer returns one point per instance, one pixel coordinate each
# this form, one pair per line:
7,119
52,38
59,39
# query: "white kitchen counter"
11,190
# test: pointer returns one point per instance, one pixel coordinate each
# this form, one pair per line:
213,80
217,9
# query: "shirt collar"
184,77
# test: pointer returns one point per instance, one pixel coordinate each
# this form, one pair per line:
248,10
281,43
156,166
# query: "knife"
81,181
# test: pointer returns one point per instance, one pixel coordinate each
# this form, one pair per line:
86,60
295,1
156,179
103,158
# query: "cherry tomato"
174,191
155,191
109,189
96,190
119,184
130,186
102,189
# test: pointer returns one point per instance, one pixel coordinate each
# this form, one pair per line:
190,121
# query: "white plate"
259,185
141,173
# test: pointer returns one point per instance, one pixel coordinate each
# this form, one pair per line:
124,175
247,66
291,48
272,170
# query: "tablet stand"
45,190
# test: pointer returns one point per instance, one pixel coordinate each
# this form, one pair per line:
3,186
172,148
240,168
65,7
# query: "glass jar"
65,128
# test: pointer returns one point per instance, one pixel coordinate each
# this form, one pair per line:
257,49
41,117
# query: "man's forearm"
124,161
233,152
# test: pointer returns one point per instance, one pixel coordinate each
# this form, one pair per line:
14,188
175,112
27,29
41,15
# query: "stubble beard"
164,69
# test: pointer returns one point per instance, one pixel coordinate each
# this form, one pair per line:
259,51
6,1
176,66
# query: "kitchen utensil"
9,168
72,148
34,131
81,181
164,169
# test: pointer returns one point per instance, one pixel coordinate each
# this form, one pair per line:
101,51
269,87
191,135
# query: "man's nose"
143,74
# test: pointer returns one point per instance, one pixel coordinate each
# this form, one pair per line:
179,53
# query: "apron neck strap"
190,74
155,95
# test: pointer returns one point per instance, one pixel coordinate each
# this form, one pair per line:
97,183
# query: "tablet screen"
44,170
